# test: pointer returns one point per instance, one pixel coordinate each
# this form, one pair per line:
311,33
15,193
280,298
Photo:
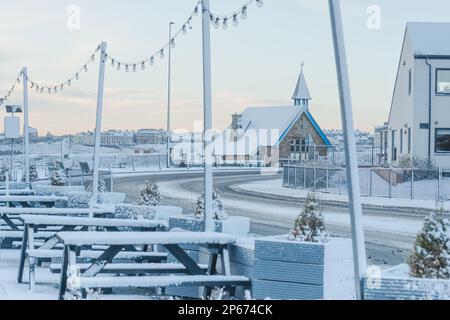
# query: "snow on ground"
46,288
396,224
274,187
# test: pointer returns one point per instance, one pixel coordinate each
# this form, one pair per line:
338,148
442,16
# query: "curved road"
389,234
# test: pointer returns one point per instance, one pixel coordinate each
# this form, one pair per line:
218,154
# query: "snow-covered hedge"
48,190
129,211
14,185
111,198
79,200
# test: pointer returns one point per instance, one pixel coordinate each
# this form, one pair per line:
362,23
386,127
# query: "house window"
443,81
410,82
442,141
295,145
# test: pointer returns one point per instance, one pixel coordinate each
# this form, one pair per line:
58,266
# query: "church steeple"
301,95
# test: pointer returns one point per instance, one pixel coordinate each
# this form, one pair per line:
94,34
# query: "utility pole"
98,127
207,107
169,95
356,217
26,127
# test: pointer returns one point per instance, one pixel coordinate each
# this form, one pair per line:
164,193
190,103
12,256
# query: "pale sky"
255,64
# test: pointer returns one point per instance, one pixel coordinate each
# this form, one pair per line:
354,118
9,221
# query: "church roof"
301,90
278,121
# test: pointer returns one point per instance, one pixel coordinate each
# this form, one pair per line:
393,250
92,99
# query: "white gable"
429,38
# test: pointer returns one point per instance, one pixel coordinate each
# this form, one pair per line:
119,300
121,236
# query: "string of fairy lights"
216,20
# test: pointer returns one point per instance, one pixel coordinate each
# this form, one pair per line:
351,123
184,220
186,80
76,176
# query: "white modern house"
419,120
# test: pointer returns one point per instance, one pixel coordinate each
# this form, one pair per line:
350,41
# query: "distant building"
33,132
270,135
111,137
419,120
150,136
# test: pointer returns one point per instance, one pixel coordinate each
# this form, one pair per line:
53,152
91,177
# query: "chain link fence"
374,182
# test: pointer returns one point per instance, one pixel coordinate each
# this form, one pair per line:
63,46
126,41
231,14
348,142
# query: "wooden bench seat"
134,268
92,254
162,281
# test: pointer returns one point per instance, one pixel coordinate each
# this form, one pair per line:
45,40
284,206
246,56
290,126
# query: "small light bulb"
161,54
143,65
225,24
235,20
244,13
172,43
152,61
259,3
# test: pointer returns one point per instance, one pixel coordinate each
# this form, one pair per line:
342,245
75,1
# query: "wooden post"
98,128
354,192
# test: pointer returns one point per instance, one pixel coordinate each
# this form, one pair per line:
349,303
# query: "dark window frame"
410,82
436,82
435,144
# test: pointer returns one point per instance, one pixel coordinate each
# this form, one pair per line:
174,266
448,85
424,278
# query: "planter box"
111,198
239,226
396,284
292,270
48,190
166,212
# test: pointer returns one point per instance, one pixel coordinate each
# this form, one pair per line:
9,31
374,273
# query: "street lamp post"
169,95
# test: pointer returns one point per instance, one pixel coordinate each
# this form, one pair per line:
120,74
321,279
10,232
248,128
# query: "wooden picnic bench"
14,226
29,201
33,223
80,278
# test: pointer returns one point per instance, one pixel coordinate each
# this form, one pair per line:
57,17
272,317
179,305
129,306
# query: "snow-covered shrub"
129,211
431,254
406,161
101,184
78,200
218,210
150,195
4,172
33,174
58,177
309,225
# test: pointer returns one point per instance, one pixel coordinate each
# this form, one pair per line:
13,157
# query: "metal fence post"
295,176
288,175
390,183
439,195
412,184
327,179
370,182
304,178
340,181
314,178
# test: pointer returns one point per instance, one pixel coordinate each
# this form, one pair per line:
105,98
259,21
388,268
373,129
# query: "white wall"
402,115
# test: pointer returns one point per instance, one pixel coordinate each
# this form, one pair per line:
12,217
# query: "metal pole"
207,105
168,94
359,249
98,127
26,126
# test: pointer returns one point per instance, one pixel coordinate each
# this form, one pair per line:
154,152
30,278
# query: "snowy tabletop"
143,238
25,198
91,222
53,211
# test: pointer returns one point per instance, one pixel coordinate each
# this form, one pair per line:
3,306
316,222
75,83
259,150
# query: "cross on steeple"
301,95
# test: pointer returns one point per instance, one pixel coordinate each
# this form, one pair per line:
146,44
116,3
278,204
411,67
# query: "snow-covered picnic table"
81,278
13,226
28,201
16,192
33,223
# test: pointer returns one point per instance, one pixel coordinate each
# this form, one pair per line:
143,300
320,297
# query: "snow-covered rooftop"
429,38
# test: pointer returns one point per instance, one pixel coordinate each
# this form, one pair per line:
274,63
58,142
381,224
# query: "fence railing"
367,156
374,182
